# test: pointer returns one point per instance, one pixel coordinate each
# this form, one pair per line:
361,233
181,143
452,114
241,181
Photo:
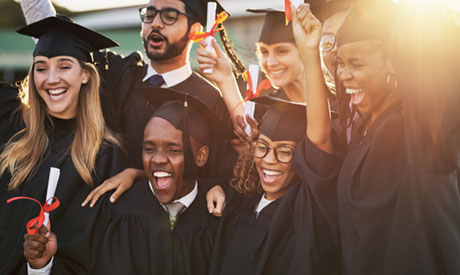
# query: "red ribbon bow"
197,36
287,11
263,85
41,217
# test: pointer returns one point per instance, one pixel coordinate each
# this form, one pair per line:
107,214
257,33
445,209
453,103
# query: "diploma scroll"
250,106
210,20
51,190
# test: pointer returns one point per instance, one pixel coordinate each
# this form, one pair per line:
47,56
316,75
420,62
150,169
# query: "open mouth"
357,95
156,39
277,73
271,175
162,179
56,94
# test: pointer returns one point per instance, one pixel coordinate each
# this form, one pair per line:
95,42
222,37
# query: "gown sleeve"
10,116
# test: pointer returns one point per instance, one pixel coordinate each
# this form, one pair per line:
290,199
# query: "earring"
395,85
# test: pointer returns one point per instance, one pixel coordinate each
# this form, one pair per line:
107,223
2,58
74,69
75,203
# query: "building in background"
123,25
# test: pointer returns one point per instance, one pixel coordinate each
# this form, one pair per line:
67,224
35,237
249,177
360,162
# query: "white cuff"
46,270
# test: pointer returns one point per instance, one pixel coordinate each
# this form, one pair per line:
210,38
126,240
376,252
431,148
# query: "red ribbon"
197,36
263,85
41,217
287,11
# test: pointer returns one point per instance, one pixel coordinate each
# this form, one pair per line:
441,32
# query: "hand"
40,248
221,67
240,125
121,182
307,28
216,200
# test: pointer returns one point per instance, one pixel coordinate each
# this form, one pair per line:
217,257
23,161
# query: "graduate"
165,29
273,222
141,238
54,120
398,181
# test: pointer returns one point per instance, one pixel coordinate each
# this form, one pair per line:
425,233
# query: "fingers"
217,49
210,202
94,196
239,128
35,245
220,204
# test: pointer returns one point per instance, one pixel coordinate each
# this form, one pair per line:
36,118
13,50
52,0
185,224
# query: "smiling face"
275,177
280,62
164,161
58,81
163,42
363,71
330,27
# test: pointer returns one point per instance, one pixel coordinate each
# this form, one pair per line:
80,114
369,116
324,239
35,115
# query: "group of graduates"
349,164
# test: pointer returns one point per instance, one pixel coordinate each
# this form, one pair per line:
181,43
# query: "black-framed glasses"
168,16
327,42
283,153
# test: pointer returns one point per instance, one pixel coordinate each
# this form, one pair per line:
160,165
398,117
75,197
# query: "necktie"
156,81
174,209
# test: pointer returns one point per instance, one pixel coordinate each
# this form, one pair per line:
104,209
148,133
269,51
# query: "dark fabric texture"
71,223
138,239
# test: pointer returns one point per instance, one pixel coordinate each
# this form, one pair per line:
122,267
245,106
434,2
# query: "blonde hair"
25,150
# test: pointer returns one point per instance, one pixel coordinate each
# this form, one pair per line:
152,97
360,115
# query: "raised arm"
223,77
307,33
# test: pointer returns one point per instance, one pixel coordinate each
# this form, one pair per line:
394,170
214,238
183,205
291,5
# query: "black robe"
138,239
296,234
126,110
71,223
396,215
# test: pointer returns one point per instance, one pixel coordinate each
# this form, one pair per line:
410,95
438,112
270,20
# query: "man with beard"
166,25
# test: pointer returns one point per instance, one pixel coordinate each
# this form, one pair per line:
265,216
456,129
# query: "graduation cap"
367,20
283,120
199,9
191,115
58,35
274,29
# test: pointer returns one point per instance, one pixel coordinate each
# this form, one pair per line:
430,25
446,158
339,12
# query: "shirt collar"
186,200
262,204
171,78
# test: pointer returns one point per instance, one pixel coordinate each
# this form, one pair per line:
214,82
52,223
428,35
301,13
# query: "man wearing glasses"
165,29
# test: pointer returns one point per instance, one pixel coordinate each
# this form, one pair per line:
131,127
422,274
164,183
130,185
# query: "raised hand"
222,68
40,248
306,27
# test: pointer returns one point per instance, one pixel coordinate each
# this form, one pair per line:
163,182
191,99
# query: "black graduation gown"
138,239
71,223
395,216
126,110
296,234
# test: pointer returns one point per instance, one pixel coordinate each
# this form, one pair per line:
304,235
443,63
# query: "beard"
171,50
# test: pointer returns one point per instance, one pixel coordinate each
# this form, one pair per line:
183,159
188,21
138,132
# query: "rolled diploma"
250,106
51,190
210,20
296,3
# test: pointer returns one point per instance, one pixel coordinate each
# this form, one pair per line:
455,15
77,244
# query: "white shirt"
46,270
262,204
171,78
185,200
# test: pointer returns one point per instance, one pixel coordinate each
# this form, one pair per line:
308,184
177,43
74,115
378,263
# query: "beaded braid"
238,65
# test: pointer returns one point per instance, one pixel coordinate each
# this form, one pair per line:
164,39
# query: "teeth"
353,91
271,172
277,72
161,174
56,91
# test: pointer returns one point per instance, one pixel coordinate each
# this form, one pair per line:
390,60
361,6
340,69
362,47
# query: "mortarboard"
274,29
283,120
371,20
199,9
58,35
191,115
333,6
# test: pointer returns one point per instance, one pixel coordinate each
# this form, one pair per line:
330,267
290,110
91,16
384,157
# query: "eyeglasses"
283,153
168,16
327,43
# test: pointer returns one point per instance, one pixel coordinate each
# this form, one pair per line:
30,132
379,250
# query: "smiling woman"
59,124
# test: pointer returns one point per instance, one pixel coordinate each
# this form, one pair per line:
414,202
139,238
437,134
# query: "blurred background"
119,20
